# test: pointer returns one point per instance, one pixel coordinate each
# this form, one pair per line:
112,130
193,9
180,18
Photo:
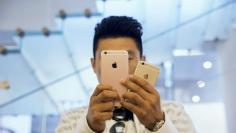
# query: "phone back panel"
147,72
114,68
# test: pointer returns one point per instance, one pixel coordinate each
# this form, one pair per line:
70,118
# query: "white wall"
19,124
228,62
208,117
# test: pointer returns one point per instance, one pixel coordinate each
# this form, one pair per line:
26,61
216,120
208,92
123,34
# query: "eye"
130,57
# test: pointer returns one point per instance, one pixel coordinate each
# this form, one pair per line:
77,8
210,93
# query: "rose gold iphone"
114,68
148,72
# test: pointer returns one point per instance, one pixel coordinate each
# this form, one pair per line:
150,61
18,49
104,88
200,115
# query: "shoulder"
68,120
177,114
174,110
171,106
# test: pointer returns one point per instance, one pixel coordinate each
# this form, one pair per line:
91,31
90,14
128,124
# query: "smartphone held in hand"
114,68
148,72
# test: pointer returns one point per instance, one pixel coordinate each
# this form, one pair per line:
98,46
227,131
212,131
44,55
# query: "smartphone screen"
148,72
114,68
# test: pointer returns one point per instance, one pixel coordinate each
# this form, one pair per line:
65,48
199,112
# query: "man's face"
120,43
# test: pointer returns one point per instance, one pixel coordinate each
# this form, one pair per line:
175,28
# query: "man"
150,114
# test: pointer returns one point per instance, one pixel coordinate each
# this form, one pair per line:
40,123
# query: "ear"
143,58
93,63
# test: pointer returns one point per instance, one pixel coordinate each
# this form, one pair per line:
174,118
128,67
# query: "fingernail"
122,81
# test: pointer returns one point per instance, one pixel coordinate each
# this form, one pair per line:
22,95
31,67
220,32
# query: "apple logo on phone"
114,65
145,76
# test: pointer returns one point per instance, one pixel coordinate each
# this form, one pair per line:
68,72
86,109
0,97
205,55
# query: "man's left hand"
143,100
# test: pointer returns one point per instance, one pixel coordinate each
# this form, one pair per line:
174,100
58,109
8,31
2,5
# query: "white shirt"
176,121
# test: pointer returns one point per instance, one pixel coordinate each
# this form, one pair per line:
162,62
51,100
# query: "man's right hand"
101,106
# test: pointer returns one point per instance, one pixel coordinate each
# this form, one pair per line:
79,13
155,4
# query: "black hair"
118,26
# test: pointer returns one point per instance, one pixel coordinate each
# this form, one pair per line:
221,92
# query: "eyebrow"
130,52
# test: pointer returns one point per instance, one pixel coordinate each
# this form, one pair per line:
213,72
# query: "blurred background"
46,46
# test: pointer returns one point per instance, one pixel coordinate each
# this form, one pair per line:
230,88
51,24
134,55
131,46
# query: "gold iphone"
114,68
148,72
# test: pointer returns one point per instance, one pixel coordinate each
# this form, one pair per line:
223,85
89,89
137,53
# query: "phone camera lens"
105,52
142,63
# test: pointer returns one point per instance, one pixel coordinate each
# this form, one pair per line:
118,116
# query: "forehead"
121,43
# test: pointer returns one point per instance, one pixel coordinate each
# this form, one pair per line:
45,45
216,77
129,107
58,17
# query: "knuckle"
99,88
139,90
131,95
135,96
104,94
126,82
145,83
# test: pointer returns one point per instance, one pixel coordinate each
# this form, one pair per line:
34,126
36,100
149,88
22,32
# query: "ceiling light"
186,52
201,84
207,64
196,99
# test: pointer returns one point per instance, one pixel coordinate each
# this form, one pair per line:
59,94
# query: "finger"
142,83
105,107
135,109
105,116
134,98
100,88
106,95
133,87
